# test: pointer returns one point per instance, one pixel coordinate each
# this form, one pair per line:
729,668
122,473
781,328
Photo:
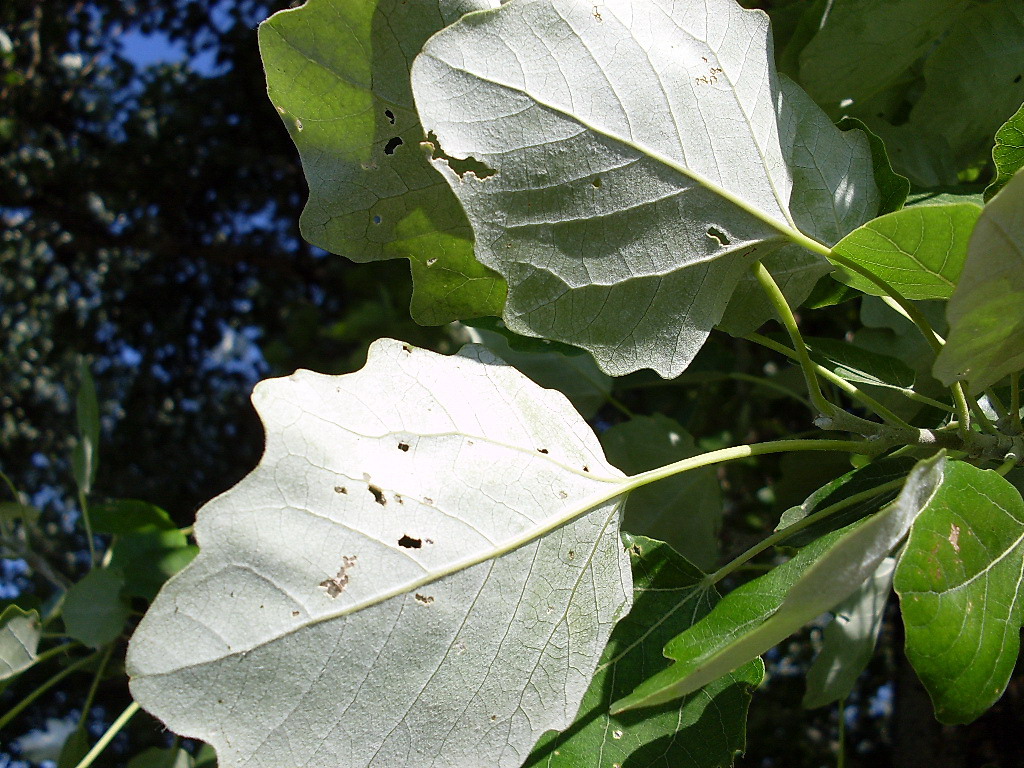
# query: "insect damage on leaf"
337,585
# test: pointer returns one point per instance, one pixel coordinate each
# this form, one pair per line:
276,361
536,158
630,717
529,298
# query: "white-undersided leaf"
986,311
572,372
637,166
684,511
705,730
834,192
848,641
338,74
423,571
19,640
757,615
959,581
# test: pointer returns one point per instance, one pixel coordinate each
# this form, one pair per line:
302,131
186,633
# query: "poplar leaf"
423,569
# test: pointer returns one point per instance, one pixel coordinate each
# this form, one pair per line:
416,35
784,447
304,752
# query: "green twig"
798,526
95,684
785,313
848,387
84,506
746,451
106,738
21,705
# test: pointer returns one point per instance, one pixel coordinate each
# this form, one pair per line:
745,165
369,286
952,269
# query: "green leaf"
85,458
986,312
94,612
860,365
848,641
611,213
972,79
75,747
684,511
702,730
892,187
13,511
150,558
338,74
572,372
1008,153
861,480
162,758
125,516
919,251
424,566
762,612
959,582
843,64
19,640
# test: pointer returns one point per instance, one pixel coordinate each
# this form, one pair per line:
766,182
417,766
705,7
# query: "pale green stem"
1015,424
21,705
963,413
10,485
51,652
847,387
95,684
84,506
746,451
769,384
798,526
785,313
1007,465
106,738
618,405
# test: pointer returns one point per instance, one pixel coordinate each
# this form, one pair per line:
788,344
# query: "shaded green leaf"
860,366
959,582
125,516
685,511
13,511
848,641
75,747
1008,153
861,480
19,640
85,457
338,74
704,729
919,251
611,215
162,758
150,558
757,615
94,612
842,64
893,187
986,312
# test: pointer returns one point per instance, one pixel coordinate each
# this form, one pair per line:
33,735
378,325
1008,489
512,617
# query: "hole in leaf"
424,599
378,495
337,585
431,262
403,447
461,166
542,450
597,182
298,124
393,143
390,116
409,542
718,236
1017,78
407,349
586,468
377,219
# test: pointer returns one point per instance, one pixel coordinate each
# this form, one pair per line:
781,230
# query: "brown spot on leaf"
340,489
542,450
428,500
337,585
296,613
424,599
403,447
954,536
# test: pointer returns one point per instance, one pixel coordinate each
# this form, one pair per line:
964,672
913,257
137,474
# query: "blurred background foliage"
149,199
